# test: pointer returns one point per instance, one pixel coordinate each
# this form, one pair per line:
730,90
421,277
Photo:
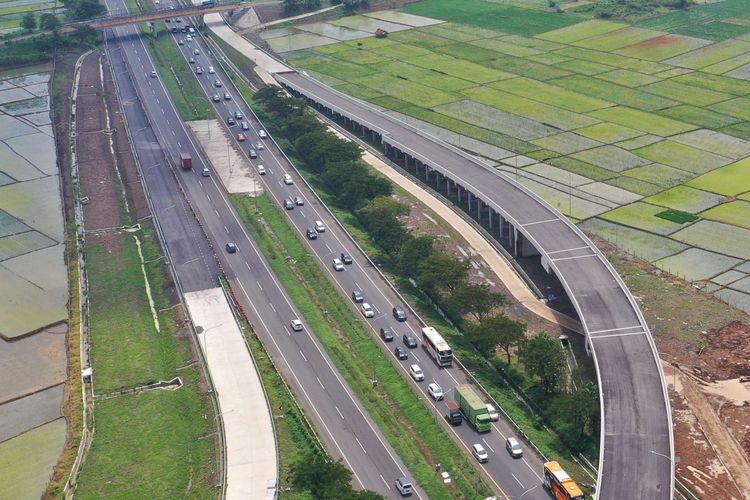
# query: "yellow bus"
560,484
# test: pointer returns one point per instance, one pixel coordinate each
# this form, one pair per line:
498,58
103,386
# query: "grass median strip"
410,428
177,76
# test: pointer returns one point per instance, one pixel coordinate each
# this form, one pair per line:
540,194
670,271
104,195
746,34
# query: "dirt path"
726,447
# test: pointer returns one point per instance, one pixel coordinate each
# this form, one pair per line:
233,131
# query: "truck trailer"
473,407
186,161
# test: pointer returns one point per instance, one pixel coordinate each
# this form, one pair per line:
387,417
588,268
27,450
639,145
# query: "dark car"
358,297
400,352
230,120
174,30
231,248
410,341
216,98
289,204
386,334
312,234
346,258
399,313
198,70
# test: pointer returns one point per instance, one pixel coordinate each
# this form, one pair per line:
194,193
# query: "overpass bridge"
124,18
636,459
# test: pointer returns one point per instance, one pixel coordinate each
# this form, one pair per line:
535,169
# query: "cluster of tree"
293,7
474,308
42,47
632,9
336,162
351,6
325,479
83,9
47,21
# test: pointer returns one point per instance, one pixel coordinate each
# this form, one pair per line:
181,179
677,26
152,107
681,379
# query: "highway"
510,477
636,436
337,414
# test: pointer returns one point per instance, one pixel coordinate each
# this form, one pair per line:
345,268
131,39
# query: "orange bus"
560,484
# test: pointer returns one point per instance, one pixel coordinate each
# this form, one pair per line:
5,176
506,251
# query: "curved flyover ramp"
637,450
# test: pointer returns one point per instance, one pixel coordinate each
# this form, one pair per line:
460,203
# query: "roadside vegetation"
407,424
177,75
43,47
152,444
485,339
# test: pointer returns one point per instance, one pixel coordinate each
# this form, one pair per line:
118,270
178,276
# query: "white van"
288,180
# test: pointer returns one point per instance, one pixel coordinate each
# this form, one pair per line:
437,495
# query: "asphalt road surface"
336,412
510,477
636,436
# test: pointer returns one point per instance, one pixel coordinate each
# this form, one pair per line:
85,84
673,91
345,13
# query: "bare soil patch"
710,342
98,190
125,160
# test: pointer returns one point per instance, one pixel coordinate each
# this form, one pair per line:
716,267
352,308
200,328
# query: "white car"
296,325
261,170
513,447
262,134
338,265
416,373
320,227
211,70
494,415
435,392
367,310
259,145
480,453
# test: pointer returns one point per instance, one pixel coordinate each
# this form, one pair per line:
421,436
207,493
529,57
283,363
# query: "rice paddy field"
611,123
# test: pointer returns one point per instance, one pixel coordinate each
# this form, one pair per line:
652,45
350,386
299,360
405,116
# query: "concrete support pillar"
458,194
490,219
479,210
448,187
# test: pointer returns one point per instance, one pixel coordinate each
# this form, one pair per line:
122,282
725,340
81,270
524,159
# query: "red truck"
186,161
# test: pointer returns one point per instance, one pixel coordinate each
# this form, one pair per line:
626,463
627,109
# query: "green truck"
473,408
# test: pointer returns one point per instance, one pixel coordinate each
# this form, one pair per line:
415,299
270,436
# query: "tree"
414,251
442,271
326,479
291,7
495,331
578,414
543,357
353,184
477,300
48,21
28,21
380,219
320,149
83,9
311,4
